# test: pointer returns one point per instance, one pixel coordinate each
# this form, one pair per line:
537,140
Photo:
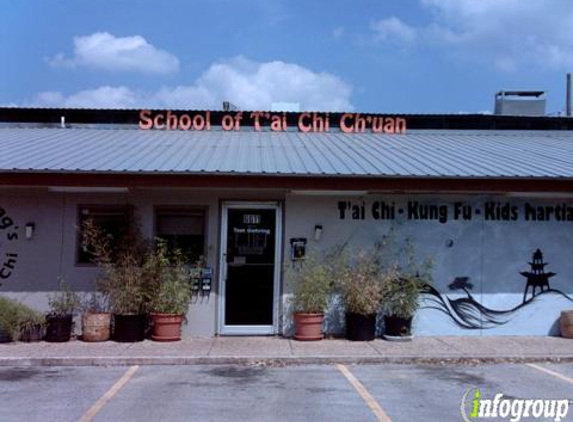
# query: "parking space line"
366,396
550,372
98,405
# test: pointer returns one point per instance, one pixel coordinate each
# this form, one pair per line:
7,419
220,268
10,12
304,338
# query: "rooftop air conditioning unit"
520,103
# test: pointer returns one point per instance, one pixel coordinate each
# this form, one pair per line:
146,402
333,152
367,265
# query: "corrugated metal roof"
427,153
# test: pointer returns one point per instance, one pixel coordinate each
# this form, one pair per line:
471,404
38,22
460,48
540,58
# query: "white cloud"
248,84
102,50
508,34
394,30
102,97
338,32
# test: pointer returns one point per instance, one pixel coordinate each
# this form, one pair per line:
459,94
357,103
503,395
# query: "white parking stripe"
550,372
366,396
98,405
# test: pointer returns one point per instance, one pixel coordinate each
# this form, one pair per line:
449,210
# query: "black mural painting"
468,313
537,277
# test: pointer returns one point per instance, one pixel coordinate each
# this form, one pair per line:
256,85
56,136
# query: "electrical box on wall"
201,281
297,248
206,280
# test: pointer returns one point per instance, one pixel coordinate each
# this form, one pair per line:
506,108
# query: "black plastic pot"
397,327
129,328
32,333
360,327
58,328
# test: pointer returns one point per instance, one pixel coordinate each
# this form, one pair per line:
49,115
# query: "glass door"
249,268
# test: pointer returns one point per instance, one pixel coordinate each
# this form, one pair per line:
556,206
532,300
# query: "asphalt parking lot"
329,393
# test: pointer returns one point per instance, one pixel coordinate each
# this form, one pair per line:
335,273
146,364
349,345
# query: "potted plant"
96,318
311,281
32,324
126,279
400,298
172,296
9,320
59,321
361,294
20,322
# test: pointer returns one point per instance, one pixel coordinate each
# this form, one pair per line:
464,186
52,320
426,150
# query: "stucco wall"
52,251
488,250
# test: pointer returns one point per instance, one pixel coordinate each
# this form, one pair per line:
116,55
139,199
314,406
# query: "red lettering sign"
277,122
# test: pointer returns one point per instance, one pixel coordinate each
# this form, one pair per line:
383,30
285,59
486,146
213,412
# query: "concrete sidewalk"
281,351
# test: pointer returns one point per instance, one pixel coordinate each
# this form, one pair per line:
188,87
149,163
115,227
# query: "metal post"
568,99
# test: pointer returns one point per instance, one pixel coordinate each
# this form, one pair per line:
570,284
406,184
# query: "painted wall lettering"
8,255
442,213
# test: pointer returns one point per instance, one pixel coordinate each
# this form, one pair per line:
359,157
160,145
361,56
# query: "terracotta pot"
166,327
129,328
96,326
360,327
308,327
566,323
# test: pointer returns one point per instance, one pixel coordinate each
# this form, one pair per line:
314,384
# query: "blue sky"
408,56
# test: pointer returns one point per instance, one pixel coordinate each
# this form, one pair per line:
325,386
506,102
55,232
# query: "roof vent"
520,103
229,106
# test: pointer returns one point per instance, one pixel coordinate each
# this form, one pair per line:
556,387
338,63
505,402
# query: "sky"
384,56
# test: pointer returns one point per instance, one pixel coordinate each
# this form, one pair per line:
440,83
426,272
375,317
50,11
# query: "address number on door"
251,219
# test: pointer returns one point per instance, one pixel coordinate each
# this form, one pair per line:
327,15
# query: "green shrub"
172,293
359,283
128,275
15,317
402,282
400,294
30,318
94,303
311,281
9,318
64,301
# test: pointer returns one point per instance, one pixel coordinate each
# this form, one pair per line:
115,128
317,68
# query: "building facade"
488,198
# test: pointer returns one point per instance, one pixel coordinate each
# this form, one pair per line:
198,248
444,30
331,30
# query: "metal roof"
423,153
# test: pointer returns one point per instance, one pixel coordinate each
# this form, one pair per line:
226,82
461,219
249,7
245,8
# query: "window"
182,228
114,220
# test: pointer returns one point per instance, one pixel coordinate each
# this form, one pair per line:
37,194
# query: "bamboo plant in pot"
96,318
127,284
172,294
59,321
311,282
126,279
400,299
361,295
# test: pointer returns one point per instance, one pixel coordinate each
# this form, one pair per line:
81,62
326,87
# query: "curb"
278,361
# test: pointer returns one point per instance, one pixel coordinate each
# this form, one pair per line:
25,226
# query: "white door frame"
249,329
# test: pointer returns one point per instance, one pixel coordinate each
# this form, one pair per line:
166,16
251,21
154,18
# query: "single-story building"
489,198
